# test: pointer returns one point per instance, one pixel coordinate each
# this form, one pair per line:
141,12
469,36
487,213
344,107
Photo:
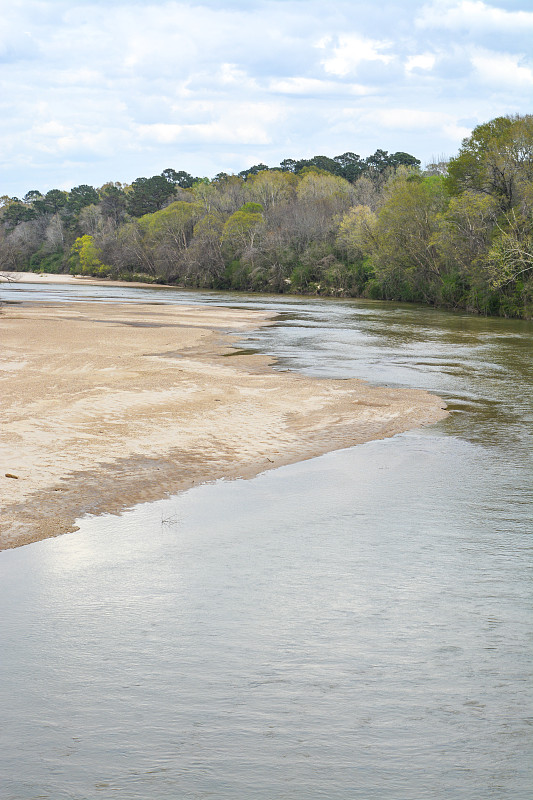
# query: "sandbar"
104,406
50,278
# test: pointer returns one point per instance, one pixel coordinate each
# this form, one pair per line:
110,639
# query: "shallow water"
354,626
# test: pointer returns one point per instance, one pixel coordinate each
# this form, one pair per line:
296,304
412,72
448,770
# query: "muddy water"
355,626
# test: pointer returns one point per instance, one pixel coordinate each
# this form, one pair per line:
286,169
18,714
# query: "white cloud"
52,128
414,119
235,123
160,133
350,51
83,77
502,69
95,91
474,15
75,141
301,86
454,131
424,61
315,86
409,118
230,74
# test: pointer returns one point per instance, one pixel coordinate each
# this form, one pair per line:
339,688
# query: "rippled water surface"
354,626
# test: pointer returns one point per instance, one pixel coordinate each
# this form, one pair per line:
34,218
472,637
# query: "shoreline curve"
107,405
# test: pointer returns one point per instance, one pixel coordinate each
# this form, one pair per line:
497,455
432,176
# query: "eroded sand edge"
107,405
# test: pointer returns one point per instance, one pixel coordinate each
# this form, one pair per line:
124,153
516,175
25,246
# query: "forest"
457,234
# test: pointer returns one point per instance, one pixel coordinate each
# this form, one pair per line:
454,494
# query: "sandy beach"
105,406
49,278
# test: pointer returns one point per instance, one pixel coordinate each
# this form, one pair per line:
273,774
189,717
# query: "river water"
353,626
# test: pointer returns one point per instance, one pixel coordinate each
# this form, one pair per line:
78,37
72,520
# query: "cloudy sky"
117,89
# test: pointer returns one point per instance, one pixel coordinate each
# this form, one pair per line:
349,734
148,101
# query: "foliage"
458,235
406,260
497,159
113,202
240,231
16,212
149,194
85,257
355,232
180,178
46,262
81,196
52,202
510,259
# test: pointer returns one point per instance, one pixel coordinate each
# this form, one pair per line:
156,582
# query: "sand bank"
105,406
48,278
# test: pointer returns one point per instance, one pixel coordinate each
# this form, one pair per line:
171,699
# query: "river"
357,626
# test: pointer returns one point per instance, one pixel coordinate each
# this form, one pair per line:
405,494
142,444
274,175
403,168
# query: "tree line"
458,234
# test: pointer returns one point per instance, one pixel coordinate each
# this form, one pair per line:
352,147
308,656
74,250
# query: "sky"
111,90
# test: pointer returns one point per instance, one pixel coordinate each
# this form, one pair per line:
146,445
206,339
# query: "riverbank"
109,405
49,278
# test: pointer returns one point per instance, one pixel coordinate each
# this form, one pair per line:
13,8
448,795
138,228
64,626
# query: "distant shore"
53,278
108,405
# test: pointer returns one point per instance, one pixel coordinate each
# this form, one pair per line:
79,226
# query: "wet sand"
104,406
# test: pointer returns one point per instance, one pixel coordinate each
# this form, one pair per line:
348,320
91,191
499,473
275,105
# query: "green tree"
203,262
166,235
149,194
378,161
401,159
81,196
496,159
16,212
51,203
406,260
271,187
85,257
325,163
240,231
32,195
113,202
132,253
288,165
351,166
464,231
462,239
252,170
172,225
355,234
180,178
510,258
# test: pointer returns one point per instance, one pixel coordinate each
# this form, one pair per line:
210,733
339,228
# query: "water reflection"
326,630
355,626
482,367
